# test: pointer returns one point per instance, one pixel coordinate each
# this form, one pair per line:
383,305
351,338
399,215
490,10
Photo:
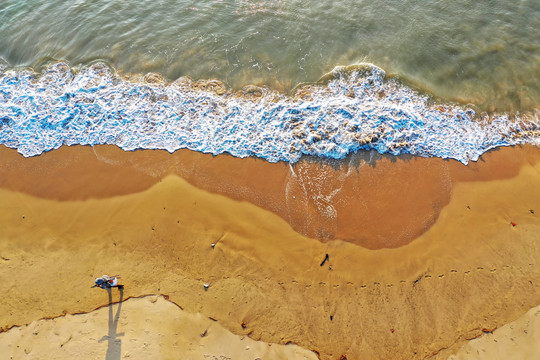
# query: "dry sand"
398,289
145,328
518,340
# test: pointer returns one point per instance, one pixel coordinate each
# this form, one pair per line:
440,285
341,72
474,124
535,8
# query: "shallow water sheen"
482,52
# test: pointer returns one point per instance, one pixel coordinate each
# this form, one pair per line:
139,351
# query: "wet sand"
372,200
422,252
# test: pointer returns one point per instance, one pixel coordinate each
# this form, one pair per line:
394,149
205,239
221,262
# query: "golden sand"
454,267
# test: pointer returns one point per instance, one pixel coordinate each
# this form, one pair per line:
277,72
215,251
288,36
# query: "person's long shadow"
114,344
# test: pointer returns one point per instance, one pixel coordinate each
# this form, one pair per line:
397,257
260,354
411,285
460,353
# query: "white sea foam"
357,109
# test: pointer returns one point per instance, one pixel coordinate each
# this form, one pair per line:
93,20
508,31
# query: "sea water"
451,79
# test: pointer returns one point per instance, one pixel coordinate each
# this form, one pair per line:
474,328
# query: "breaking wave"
355,108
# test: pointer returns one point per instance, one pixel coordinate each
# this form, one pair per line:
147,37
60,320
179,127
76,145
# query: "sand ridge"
516,340
137,328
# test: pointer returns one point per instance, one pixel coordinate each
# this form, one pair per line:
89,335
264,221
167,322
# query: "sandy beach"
424,254
140,328
515,340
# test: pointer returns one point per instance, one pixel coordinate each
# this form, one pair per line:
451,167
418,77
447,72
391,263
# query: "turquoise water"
431,70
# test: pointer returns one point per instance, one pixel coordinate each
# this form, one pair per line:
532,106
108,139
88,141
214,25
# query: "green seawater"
483,52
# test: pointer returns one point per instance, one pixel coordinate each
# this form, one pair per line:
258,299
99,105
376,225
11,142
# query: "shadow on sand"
114,344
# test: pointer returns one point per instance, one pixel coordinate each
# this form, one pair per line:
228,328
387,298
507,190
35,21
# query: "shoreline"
163,211
357,110
398,198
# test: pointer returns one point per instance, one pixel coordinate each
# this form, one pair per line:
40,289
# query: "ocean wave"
354,108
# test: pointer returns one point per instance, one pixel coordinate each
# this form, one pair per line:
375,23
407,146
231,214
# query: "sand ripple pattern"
357,108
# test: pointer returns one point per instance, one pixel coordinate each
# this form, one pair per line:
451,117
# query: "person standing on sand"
107,282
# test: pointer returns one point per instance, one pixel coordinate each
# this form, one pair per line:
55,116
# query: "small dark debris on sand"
326,258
